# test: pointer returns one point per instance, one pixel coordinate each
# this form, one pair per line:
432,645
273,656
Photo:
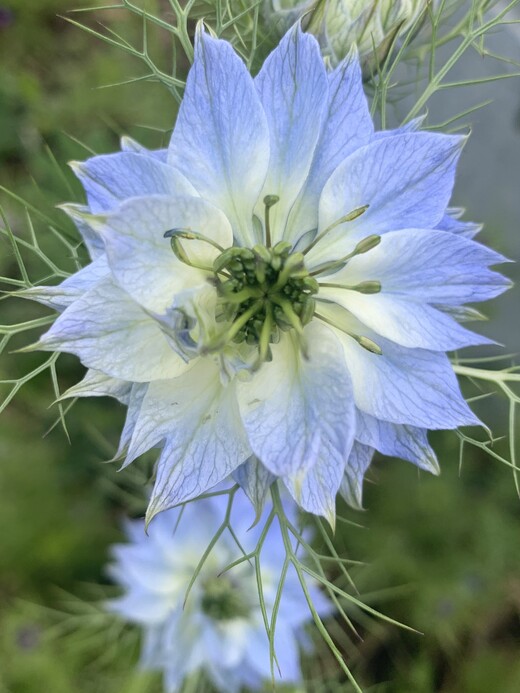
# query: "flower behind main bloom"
220,629
273,296
339,25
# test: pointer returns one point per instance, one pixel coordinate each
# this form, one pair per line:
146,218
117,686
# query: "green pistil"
221,600
268,290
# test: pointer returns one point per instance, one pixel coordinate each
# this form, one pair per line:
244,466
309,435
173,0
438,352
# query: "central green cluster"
221,600
263,290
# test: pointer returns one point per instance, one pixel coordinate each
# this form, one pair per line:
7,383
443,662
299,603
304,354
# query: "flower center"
222,601
262,291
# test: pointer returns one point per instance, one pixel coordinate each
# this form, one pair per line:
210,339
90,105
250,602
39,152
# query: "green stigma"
221,601
263,291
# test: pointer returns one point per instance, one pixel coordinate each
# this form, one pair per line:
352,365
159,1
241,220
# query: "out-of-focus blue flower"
275,294
220,629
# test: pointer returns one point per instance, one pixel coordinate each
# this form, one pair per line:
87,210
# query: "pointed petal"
91,238
298,415
358,462
406,180
405,321
406,442
97,384
141,258
408,386
63,295
451,222
347,126
293,89
255,480
110,178
198,419
128,144
404,386
221,140
431,266
110,333
135,401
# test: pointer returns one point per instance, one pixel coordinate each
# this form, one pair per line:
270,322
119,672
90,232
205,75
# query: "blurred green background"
442,554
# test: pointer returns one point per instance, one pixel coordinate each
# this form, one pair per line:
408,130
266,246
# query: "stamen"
362,247
348,217
368,287
190,235
269,201
364,342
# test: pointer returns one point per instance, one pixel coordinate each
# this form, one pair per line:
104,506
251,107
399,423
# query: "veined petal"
135,401
407,442
298,413
347,125
405,386
91,238
204,437
63,295
109,332
110,178
358,462
141,258
406,180
128,144
255,480
452,222
431,266
97,384
221,139
405,321
293,89
408,386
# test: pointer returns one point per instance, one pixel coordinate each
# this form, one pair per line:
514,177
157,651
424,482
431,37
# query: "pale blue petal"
451,222
407,386
255,480
430,266
299,417
221,139
128,144
351,488
135,402
406,442
406,321
315,489
406,180
293,89
141,258
91,238
411,126
63,295
111,333
298,411
97,384
110,178
199,420
347,126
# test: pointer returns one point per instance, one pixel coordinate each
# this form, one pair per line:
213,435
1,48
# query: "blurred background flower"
217,628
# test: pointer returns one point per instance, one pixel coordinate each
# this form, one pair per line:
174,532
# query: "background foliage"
441,554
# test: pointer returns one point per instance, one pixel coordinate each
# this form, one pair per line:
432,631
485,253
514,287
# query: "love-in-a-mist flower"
339,25
273,296
220,628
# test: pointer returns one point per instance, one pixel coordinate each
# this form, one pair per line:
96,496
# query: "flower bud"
372,25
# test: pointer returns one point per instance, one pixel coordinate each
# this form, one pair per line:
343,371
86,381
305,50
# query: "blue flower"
273,297
220,629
